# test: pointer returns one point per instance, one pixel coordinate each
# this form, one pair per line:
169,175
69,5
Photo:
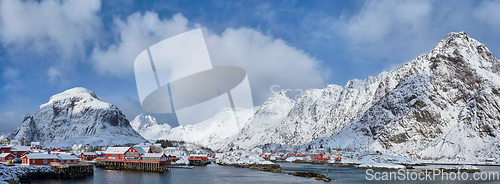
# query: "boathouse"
4,149
155,158
20,151
39,159
68,159
123,153
87,155
6,157
115,153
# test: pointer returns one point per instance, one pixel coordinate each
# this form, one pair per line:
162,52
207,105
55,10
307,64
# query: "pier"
73,170
133,165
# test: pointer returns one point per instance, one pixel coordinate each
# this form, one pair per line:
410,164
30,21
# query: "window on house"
33,161
44,161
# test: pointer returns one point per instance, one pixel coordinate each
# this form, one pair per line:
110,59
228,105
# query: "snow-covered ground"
12,173
384,161
241,157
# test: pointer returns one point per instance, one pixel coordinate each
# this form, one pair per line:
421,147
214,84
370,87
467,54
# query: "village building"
5,141
68,159
5,149
115,153
198,159
170,149
6,157
87,156
39,159
35,145
20,151
156,158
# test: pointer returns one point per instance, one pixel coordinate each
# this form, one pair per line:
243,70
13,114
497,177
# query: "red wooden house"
87,156
4,149
35,145
20,151
115,153
123,153
319,157
68,159
197,157
263,155
6,157
155,158
295,155
39,159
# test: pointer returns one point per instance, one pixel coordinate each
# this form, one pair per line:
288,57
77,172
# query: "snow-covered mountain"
211,133
149,128
445,107
76,116
442,106
261,126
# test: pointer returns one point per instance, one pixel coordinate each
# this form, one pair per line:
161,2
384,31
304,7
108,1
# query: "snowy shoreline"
18,173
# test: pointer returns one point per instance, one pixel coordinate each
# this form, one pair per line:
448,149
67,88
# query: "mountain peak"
76,91
460,41
77,116
279,98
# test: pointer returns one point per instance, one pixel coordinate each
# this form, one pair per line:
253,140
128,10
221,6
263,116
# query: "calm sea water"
224,174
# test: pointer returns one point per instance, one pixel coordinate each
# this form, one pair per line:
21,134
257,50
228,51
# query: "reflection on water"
224,174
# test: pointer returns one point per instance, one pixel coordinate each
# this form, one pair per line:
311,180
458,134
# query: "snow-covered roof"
146,149
68,157
35,143
198,155
4,155
41,156
89,153
20,148
116,150
60,153
157,155
140,150
171,148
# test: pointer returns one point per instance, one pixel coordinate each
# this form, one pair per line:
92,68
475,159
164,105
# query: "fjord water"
225,174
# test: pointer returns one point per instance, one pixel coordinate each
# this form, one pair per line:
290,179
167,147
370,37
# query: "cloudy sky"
49,46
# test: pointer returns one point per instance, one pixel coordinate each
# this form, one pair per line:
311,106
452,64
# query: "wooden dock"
73,170
133,165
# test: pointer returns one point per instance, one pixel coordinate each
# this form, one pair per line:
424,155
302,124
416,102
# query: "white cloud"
268,61
489,12
11,78
380,20
135,34
62,27
54,74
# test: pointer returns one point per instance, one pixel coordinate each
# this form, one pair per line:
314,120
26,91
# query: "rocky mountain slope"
444,108
76,116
